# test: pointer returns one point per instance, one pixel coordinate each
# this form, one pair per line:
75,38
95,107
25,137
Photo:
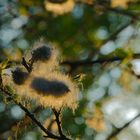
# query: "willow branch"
100,60
23,120
106,8
111,37
117,131
31,116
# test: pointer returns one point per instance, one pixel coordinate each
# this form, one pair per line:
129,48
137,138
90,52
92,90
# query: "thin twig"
21,121
91,62
57,115
50,125
117,131
111,37
134,17
24,63
31,116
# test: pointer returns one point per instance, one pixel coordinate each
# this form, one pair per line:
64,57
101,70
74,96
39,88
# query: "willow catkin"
45,84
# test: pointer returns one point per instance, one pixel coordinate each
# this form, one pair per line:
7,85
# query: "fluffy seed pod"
44,84
54,90
59,8
43,57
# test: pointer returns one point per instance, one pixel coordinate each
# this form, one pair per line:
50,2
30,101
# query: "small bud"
56,88
19,76
42,53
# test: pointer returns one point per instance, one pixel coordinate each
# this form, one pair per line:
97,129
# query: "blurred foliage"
82,30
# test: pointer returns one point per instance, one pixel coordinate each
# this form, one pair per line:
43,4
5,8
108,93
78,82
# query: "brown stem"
100,60
31,116
57,115
24,63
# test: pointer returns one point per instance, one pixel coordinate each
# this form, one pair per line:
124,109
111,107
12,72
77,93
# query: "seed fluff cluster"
45,84
59,8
